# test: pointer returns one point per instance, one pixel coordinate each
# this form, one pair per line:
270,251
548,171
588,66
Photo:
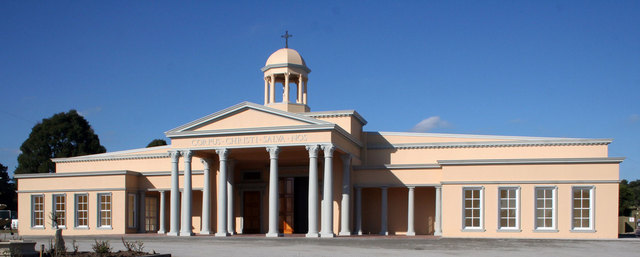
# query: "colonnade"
410,211
270,83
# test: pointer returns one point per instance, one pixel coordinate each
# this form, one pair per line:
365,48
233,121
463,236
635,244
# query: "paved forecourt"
363,246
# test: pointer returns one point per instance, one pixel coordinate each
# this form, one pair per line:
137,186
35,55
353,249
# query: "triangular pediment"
246,116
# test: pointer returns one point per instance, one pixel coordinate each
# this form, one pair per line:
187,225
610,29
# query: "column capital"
346,157
313,150
273,151
223,153
205,162
187,154
175,155
411,187
328,150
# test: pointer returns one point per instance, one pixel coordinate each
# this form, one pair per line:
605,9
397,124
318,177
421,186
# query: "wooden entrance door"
251,209
286,205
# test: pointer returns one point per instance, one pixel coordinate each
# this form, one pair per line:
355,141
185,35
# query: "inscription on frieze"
250,140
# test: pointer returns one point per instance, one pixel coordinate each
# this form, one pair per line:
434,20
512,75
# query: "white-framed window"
104,210
545,210
509,208
82,210
582,214
472,208
131,210
37,211
59,208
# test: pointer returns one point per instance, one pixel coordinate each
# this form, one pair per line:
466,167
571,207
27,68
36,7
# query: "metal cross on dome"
286,37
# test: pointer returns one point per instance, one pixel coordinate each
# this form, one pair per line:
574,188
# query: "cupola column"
285,96
304,93
266,90
272,89
299,90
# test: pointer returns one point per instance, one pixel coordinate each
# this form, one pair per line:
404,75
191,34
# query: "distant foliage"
629,197
8,194
157,142
63,135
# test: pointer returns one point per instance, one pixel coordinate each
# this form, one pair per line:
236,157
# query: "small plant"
133,246
101,247
75,246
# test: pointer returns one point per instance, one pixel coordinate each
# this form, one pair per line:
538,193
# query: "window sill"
545,231
82,228
59,227
509,230
105,228
38,227
473,230
582,231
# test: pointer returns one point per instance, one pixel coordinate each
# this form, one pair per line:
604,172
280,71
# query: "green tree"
63,135
157,142
7,189
629,197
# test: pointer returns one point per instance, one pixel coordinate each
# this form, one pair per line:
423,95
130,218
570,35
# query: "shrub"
101,247
133,246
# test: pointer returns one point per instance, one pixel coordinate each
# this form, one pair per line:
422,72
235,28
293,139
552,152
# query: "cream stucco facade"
281,168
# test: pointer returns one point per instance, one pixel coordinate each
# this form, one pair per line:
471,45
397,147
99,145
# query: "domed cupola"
286,66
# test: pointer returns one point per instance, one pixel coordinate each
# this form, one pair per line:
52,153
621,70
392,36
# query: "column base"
437,233
327,235
161,232
172,233
312,235
231,233
345,233
411,233
187,233
359,233
272,235
223,234
384,233
205,232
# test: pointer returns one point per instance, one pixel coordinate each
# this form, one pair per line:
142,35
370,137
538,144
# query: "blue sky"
136,69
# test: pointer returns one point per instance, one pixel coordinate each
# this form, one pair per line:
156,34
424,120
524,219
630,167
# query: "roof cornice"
339,113
532,161
516,143
111,157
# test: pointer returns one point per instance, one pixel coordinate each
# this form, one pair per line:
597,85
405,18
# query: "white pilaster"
345,212
161,227
222,193
175,195
187,196
231,229
273,191
285,96
359,210
383,213
313,190
272,89
327,203
410,212
206,199
438,222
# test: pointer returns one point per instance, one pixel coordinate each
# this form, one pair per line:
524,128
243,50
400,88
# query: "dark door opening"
251,209
301,205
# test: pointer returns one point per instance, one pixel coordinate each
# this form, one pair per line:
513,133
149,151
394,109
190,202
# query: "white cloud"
430,123
93,110
633,118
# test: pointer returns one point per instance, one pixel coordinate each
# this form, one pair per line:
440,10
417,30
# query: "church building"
280,168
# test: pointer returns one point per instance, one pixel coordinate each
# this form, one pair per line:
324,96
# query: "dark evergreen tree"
8,194
157,142
63,135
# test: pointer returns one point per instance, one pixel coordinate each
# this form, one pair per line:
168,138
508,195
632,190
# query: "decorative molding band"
76,174
286,65
72,190
394,185
168,173
542,182
559,142
299,128
111,157
494,137
532,161
399,166
341,113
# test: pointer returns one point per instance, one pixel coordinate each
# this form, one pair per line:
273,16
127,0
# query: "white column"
304,94
222,192
383,213
359,210
438,222
299,90
313,191
410,212
273,191
285,96
206,199
141,212
272,89
345,213
175,195
231,229
161,228
327,199
186,196
266,91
